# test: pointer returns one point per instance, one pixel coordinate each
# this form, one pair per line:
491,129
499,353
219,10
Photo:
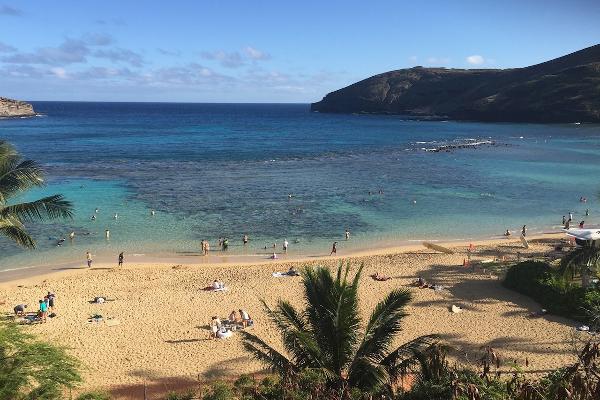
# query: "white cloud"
438,61
475,60
413,59
256,54
59,72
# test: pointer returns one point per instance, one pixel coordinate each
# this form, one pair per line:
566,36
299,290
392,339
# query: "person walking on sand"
347,234
333,249
120,259
88,257
524,231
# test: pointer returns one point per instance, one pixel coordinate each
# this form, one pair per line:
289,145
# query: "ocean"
225,170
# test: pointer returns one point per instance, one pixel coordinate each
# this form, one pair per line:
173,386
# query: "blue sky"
266,51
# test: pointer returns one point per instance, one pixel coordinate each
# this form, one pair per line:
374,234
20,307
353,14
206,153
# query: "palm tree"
17,176
584,261
326,336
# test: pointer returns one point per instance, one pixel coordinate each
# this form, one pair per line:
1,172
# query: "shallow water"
215,170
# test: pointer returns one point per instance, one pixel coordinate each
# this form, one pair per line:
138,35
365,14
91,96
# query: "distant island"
10,108
566,89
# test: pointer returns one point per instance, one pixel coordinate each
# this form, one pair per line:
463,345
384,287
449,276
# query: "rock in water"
566,89
14,108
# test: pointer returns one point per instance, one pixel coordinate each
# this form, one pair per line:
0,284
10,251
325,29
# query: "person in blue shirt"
43,310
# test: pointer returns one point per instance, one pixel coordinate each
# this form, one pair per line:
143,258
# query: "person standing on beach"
120,259
88,256
564,220
347,234
285,245
524,231
568,224
43,310
570,216
245,239
107,234
333,249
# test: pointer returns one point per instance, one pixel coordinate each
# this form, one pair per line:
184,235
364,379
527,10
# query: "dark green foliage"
17,176
97,396
189,395
555,292
219,391
325,338
33,370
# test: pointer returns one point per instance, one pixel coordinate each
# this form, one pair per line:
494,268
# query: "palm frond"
384,324
266,354
401,358
332,313
50,207
368,374
14,230
17,176
297,337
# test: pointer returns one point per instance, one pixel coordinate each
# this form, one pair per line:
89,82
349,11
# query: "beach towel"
455,309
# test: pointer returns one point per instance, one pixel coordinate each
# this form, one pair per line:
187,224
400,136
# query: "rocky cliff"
566,89
14,108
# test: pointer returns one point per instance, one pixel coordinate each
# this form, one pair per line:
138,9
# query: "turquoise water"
212,170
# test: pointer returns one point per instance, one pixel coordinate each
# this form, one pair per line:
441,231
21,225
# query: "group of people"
567,222
90,260
219,330
45,306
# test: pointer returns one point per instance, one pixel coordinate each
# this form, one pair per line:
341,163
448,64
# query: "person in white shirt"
285,245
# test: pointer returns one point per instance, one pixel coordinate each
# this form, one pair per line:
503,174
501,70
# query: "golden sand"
159,314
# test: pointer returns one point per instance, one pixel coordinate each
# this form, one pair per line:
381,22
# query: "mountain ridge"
565,89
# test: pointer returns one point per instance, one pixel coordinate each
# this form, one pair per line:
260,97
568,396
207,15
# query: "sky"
267,51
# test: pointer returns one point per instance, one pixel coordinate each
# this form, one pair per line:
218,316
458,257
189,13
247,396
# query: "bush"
556,294
94,396
219,391
189,395
30,369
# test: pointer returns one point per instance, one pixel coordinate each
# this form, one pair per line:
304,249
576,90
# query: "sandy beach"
155,328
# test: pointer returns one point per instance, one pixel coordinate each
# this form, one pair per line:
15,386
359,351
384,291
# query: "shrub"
219,391
96,395
556,294
189,395
30,369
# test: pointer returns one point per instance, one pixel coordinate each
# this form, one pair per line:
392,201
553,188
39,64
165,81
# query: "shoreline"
10,276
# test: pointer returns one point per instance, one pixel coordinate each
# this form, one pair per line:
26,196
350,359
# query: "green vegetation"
17,176
326,339
30,369
556,289
433,379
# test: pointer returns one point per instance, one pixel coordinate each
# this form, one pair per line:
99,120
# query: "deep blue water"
215,170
